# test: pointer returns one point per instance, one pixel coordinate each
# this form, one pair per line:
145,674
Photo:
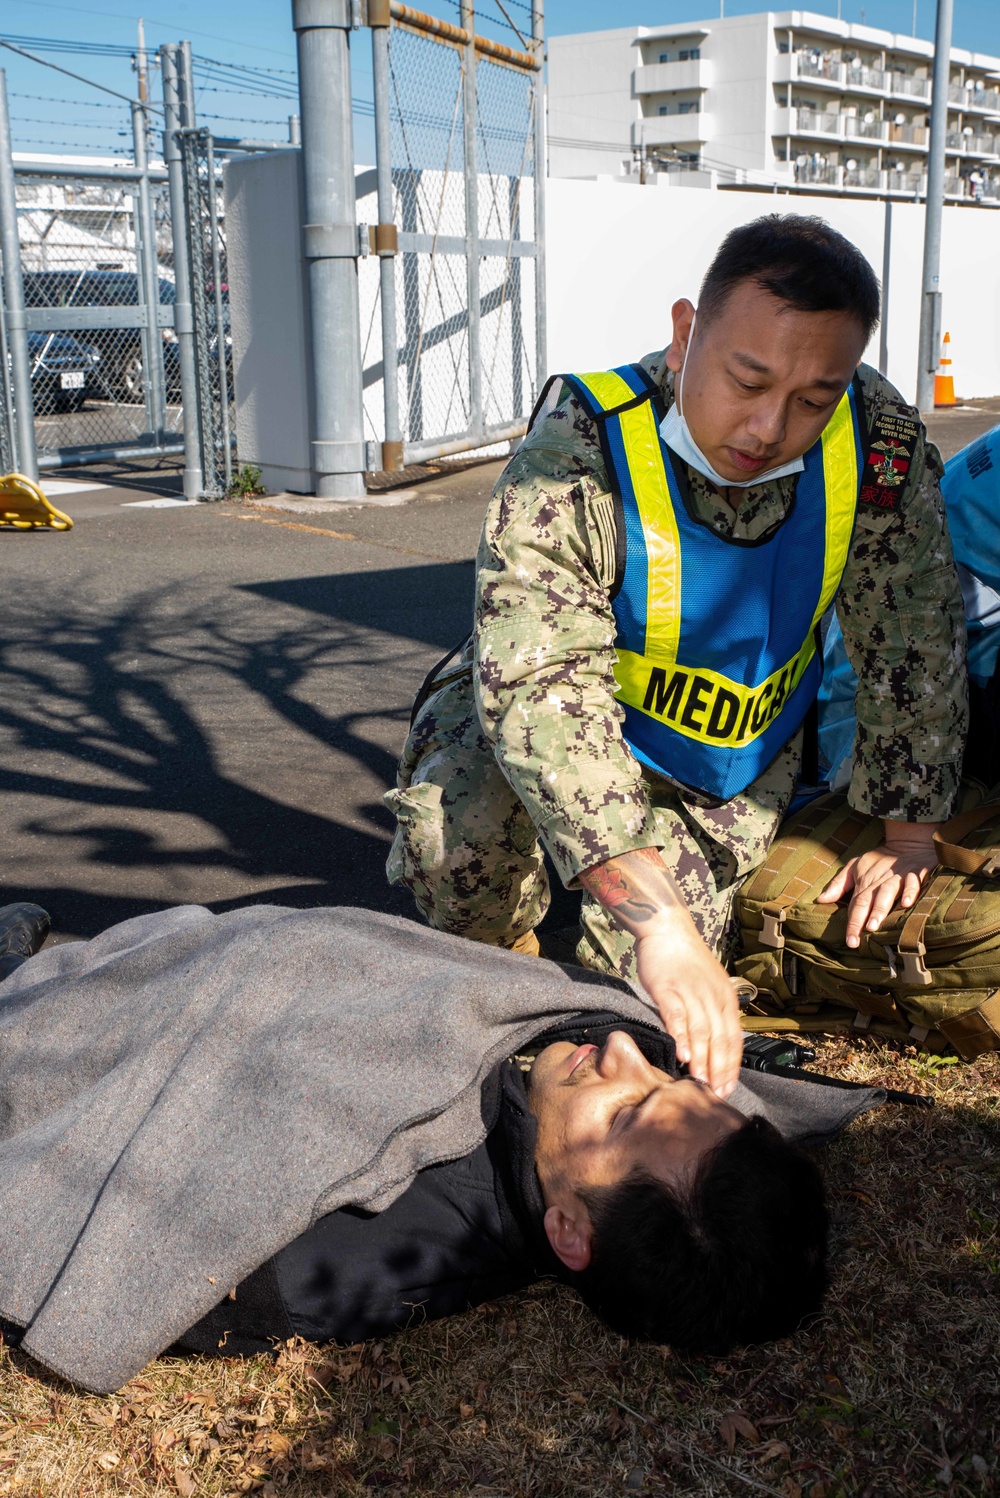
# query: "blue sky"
51,111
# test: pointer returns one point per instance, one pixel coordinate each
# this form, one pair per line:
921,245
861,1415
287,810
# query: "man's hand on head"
890,875
687,983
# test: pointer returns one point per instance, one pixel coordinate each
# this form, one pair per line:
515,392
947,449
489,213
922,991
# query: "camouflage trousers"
470,855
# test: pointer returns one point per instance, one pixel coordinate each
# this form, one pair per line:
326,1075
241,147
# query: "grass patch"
893,1392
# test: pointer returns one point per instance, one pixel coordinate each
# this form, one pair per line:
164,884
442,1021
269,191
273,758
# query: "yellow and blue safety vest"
717,657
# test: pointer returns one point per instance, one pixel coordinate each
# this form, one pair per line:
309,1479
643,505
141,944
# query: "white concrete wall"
590,99
618,256
742,52
270,326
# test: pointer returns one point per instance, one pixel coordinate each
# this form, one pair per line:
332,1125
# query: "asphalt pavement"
205,703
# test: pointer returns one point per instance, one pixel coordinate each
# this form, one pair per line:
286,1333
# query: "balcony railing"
974,145
813,122
809,66
816,174
859,77
983,98
862,176
914,88
909,182
866,129
973,98
908,135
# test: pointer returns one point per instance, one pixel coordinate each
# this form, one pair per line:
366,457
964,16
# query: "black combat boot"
23,928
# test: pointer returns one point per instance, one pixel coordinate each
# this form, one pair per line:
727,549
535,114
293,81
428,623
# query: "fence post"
183,317
25,455
468,21
541,329
930,300
386,240
330,245
149,282
220,315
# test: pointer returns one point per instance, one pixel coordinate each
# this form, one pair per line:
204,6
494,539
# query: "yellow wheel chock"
24,506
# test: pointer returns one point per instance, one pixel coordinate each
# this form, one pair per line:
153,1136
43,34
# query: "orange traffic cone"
944,382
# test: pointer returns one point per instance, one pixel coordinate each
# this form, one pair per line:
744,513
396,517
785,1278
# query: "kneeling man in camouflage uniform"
654,566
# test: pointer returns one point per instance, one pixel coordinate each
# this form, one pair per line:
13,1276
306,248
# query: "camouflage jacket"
543,644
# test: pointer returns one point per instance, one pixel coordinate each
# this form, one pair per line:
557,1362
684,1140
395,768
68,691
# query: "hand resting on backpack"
891,874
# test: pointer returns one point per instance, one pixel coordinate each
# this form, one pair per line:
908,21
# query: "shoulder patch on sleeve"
891,444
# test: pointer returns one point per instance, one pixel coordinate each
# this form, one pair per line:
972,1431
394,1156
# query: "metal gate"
457,224
114,326
98,298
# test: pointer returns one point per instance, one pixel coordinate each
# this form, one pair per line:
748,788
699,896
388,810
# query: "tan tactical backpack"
930,973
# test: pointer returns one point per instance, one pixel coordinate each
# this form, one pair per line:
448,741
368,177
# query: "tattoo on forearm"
634,887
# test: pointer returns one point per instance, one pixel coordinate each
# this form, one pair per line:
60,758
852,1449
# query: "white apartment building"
787,99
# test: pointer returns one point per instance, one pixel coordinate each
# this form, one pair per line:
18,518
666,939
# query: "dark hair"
800,260
739,1258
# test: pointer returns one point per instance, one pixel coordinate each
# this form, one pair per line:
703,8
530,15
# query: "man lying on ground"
331,1111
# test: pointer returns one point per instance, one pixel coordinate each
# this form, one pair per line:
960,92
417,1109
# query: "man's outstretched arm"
685,980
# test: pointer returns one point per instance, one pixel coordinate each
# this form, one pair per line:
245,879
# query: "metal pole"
386,238
930,301
149,283
541,326
183,318
330,245
13,286
883,338
185,85
220,319
468,20
294,130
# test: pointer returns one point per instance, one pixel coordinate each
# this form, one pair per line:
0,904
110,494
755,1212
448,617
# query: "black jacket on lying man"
185,1094
470,1230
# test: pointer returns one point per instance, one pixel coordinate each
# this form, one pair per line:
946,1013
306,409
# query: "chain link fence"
463,145
206,242
101,345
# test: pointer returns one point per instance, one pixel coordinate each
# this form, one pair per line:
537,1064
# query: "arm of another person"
900,608
544,679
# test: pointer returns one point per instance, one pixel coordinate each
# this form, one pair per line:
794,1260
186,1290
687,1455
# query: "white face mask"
677,435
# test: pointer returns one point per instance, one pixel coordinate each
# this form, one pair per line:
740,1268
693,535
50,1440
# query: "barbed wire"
75,103
69,145
33,119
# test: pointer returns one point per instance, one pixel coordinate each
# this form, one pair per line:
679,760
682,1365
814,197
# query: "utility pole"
538,125
330,245
930,301
141,67
13,286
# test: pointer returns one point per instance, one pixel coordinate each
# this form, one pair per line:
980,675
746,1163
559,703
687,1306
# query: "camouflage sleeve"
544,652
900,608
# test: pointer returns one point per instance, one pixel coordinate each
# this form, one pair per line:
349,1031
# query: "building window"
690,54
664,56
688,106
663,109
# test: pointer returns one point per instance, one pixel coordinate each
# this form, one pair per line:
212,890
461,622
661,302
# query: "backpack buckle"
991,868
772,934
915,971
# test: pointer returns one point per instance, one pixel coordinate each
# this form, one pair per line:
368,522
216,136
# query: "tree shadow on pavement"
221,751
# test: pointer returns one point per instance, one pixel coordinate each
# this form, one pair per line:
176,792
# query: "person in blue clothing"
970,488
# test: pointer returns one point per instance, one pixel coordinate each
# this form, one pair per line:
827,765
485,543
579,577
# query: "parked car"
120,372
62,371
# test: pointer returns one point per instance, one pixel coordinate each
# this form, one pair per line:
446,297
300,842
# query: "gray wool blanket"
185,1094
